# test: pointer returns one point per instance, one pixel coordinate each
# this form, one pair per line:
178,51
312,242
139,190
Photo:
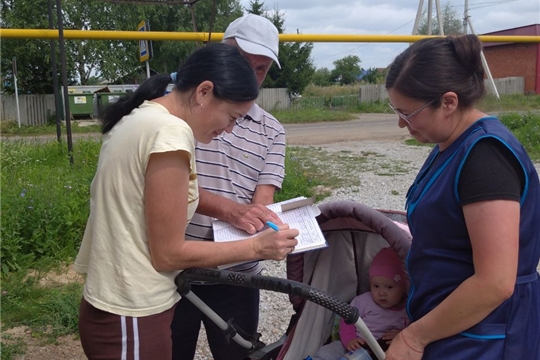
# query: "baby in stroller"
382,309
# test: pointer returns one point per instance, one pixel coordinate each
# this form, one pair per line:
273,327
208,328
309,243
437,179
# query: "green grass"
12,128
296,116
333,90
306,163
12,347
521,103
524,126
44,200
48,312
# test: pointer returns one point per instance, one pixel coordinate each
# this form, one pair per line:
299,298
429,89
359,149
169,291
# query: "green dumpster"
81,105
106,98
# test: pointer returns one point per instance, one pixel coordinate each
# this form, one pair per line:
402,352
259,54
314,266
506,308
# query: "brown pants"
108,336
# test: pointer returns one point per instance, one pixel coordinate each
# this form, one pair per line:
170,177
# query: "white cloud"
381,17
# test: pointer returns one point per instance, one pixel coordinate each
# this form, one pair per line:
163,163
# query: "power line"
482,3
492,3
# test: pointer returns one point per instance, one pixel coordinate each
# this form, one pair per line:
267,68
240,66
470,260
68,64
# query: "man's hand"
252,217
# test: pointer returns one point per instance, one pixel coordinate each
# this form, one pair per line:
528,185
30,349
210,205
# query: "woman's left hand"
402,348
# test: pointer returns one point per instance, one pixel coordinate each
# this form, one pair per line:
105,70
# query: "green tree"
295,58
257,8
108,59
174,18
373,76
33,57
346,70
321,77
452,22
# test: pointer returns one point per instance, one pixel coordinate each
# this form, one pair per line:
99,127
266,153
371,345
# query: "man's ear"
450,102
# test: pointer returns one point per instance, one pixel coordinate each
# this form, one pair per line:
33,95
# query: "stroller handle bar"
349,313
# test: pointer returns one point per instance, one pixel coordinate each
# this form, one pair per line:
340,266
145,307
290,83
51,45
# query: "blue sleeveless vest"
441,257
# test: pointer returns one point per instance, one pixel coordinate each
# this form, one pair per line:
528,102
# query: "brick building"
516,59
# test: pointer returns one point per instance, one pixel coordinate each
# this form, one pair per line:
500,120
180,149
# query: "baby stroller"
321,283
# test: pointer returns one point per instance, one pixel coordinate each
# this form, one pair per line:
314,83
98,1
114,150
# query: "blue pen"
272,225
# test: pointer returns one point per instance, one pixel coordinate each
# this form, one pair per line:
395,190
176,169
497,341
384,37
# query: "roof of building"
527,30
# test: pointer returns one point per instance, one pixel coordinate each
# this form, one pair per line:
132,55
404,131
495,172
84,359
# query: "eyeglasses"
407,118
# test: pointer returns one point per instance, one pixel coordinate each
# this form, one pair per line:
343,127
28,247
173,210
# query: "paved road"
365,127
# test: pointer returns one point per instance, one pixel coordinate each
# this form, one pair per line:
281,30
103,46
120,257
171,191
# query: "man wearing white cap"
238,174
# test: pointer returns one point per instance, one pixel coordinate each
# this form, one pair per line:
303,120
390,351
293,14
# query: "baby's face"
386,292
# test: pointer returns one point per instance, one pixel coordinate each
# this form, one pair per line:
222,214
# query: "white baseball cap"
255,35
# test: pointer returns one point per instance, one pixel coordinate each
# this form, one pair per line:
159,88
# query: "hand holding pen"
275,244
281,227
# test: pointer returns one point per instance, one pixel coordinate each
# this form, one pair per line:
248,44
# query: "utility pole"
485,64
57,100
64,78
439,17
465,16
429,17
418,17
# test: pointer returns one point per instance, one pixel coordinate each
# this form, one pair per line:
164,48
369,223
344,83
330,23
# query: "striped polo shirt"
232,165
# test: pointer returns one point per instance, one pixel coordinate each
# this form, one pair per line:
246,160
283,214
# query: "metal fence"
33,109
39,109
328,102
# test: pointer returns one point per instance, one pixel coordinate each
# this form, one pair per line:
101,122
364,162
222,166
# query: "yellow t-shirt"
114,251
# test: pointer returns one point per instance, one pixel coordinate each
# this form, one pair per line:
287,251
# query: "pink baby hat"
387,264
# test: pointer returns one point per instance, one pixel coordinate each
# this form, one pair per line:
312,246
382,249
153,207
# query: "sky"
382,17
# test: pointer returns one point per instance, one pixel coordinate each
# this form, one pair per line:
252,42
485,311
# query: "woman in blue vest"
473,211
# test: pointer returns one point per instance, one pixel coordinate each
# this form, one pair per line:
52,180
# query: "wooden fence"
39,109
273,99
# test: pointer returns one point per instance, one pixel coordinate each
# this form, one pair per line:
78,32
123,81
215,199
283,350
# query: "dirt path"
66,347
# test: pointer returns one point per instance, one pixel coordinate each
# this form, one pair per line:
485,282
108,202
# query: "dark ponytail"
151,88
233,78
